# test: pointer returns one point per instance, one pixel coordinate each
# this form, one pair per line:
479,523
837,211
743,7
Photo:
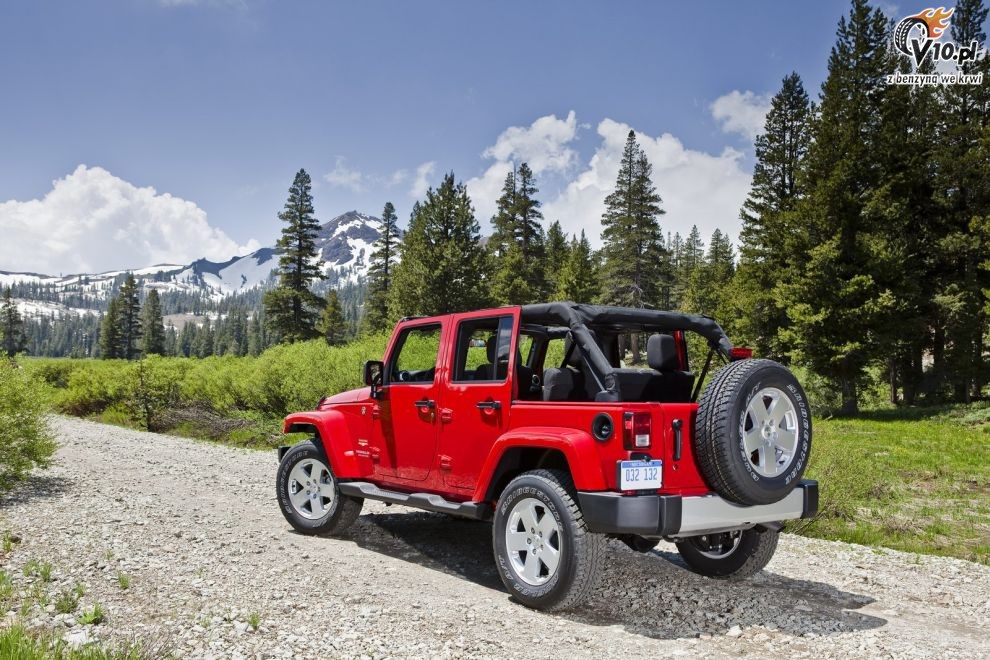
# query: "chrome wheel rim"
311,489
533,541
717,546
769,431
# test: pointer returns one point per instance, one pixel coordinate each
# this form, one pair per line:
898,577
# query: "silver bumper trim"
711,513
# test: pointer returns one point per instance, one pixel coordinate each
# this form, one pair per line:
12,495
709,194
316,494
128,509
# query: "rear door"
407,433
479,391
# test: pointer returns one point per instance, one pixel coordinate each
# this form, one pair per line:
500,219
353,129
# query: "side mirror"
373,370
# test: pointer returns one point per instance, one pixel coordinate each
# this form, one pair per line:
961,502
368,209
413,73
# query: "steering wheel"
535,385
404,376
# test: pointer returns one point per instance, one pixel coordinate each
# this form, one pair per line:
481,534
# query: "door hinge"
446,415
445,462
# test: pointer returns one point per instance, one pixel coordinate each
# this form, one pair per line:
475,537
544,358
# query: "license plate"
640,475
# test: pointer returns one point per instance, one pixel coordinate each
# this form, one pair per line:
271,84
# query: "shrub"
154,385
25,439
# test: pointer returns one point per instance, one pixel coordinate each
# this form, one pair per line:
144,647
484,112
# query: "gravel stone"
197,529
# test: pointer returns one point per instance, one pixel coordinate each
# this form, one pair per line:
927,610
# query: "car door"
478,393
406,435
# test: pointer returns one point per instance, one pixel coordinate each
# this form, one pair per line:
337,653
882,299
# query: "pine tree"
961,274
152,327
708,289
836,303
256,335
557,253
332,325
769,253
110,336
517,223
291,308
203,345
129,310
578,280
443,267
633,244
380,271
11,326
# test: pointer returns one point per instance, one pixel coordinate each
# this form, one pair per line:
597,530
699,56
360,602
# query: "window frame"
504,329
400,343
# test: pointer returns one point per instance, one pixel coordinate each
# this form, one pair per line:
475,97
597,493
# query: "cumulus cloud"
697,188
344,177
92,221
544,145
741,112
421,182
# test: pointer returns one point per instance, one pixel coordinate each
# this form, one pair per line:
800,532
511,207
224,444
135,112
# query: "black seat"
670,384
562,384
487,371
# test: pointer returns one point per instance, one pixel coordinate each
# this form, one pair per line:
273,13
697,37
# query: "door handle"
425,403
676,425
489,405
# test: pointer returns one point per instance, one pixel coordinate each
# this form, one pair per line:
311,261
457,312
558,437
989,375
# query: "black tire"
748,556
903,30
341,510
723,418
580,551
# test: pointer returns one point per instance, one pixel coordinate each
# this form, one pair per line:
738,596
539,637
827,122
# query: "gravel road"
196,528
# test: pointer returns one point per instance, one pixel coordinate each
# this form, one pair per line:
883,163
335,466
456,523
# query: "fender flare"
578,447
324,425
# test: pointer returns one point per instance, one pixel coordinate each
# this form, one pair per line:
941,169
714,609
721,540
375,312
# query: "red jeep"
528,416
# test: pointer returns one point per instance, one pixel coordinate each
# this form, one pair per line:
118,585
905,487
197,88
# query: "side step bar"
425,501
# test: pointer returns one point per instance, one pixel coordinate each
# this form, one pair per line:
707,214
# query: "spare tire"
752,437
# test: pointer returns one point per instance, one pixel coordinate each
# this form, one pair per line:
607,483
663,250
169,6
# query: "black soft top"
584,321
577,316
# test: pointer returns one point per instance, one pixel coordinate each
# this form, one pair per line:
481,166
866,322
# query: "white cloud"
93,221
544,145
397,177
741,112
422,181
344,177
697,188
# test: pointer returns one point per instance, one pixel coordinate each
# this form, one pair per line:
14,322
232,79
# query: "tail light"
636,430
740,353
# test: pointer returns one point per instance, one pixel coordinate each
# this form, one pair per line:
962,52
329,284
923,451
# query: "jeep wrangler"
530,417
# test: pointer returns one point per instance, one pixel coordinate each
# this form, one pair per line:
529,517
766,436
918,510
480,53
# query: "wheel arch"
518,451
330,434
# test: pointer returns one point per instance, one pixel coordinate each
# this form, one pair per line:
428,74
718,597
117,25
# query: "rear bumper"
676,516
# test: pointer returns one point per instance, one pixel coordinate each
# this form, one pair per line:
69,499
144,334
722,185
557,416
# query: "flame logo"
937,20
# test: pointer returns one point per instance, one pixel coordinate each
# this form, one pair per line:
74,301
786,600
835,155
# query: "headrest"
574,359
490,348
661,353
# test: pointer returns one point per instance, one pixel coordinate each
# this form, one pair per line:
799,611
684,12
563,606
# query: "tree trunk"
892,376
850,397
634,347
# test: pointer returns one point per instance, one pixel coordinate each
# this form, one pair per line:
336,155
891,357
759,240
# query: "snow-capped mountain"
345,245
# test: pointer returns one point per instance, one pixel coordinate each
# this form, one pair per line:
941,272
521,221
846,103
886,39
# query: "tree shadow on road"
36,487
651,594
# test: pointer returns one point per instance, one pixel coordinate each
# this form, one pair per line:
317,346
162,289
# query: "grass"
916,480
21,643
254,620
124,581
67,602
95,616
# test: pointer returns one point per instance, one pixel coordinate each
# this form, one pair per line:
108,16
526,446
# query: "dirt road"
196,530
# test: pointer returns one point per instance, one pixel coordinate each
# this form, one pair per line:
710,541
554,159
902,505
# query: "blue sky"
217,103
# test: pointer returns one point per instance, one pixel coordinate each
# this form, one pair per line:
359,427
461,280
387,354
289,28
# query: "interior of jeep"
560,368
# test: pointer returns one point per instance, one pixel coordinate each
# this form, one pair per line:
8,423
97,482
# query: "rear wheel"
308,494
729,555
545,554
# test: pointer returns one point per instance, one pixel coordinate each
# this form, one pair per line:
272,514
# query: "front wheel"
729,555
545,554
308,495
